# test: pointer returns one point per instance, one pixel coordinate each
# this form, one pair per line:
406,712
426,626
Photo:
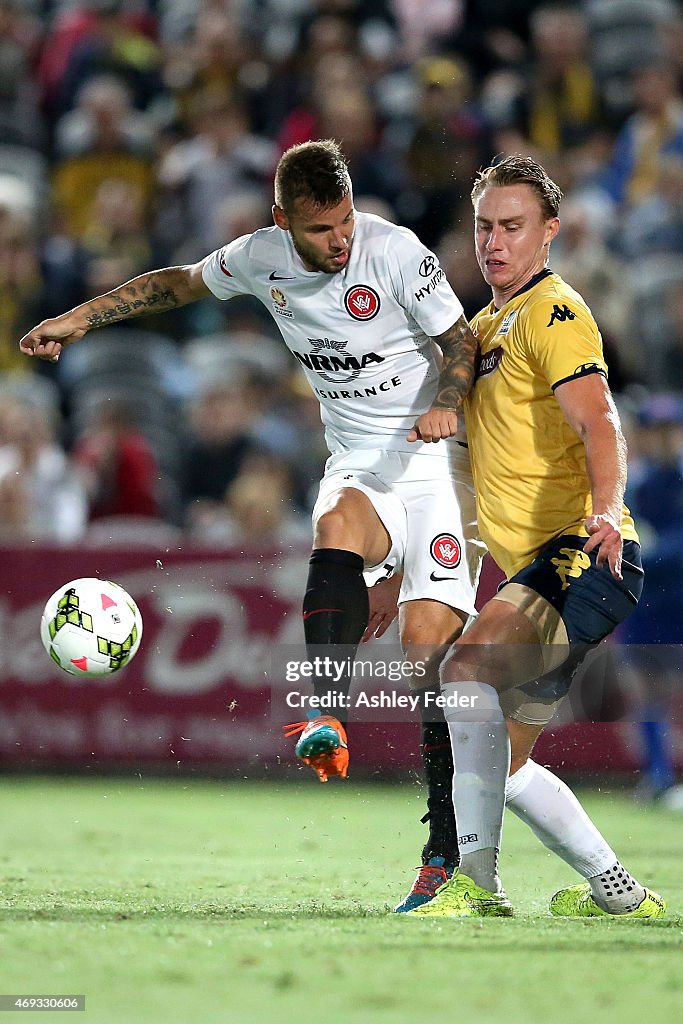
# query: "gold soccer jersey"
529,465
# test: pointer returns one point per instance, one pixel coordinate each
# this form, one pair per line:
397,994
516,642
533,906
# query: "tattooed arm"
150,293
459,347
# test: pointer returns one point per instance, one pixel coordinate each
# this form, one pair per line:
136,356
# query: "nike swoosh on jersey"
273,276
439,579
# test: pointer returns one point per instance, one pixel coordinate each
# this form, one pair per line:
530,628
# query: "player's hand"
47,340
605,535
434,424
383,606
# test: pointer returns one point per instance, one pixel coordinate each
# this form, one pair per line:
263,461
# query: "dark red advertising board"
198,692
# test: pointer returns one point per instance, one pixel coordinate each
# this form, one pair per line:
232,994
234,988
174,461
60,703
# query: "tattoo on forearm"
133,299
459,347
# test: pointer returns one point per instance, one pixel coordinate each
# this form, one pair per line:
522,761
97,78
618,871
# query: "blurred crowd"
137,134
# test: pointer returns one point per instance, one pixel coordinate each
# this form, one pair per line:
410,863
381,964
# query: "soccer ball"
91,627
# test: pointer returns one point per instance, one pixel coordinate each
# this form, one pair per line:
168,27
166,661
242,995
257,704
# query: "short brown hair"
521,170
315,171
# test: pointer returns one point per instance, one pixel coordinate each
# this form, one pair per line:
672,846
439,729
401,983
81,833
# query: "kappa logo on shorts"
362,302
572,565
445,549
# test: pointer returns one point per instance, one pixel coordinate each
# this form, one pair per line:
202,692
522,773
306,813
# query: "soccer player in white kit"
369,315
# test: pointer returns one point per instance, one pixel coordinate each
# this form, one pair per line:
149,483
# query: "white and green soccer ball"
91,627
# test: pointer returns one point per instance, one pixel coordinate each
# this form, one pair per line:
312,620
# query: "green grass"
212,902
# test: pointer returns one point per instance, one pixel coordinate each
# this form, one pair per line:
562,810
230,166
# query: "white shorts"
426,503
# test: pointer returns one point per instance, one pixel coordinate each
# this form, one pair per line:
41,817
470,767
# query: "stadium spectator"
672,357
657,496
94,38
101,139
349,117
21,284
654,131
21,123
41,495
220,158
118,466
652,635
331,75
449,141
221,419
559,106
257,509
655,225
209,58
423,30
493,34
601,277
296,85
31,282
624,34
115,239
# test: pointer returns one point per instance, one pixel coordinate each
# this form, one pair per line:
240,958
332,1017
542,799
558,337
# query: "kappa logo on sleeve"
223,265
362,302
561,314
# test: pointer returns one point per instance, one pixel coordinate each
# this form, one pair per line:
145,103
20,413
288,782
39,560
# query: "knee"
466,662
436,627
331,529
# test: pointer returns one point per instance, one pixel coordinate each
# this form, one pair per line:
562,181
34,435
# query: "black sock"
336,611
437,759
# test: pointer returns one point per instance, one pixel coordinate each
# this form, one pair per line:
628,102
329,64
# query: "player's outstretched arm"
589,408
154,292
459,347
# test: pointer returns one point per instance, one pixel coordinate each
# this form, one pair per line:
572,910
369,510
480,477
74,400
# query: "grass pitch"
209,902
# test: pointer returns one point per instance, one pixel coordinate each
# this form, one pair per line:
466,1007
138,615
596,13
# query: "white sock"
616,891
554,814
481,759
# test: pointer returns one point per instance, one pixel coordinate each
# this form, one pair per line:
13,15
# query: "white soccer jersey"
362,335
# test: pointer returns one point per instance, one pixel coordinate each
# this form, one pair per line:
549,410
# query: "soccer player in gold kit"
549,463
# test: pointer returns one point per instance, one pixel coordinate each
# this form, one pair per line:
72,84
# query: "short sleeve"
225,270
564,341
420,284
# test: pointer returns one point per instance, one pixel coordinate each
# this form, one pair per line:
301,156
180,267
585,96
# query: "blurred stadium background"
179,454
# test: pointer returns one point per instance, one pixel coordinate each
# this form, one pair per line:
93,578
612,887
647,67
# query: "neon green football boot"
577,901
461,897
